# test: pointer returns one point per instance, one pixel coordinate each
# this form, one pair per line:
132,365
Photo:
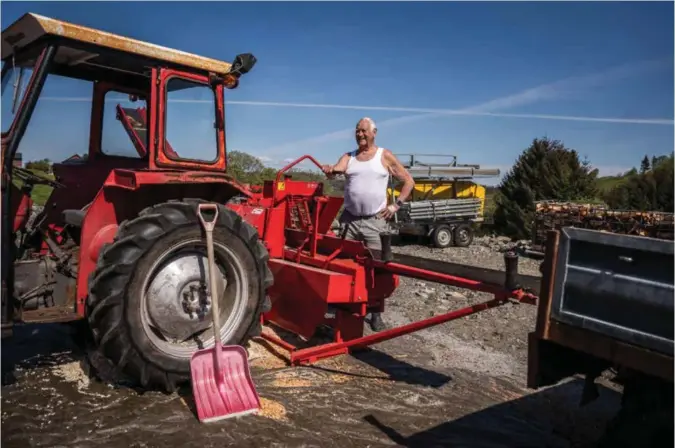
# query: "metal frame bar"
312,354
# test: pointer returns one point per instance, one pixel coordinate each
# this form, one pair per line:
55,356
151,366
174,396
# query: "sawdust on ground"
287,381
272,409
72,373
266,356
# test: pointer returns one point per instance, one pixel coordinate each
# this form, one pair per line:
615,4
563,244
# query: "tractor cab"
75,64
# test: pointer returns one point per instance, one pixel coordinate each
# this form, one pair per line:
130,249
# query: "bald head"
365,132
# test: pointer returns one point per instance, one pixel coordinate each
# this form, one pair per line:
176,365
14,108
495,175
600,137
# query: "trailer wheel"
463,235
146,306
442,236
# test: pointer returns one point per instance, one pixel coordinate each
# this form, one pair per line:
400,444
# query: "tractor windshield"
15,80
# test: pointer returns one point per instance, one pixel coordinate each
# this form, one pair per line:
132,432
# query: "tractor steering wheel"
35,179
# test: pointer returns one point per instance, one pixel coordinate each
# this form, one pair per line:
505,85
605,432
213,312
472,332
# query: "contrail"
418,110
464,112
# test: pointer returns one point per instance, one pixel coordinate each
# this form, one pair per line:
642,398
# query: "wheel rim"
463,236
175,314
443,237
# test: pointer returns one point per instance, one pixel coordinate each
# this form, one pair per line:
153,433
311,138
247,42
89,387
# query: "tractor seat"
74,217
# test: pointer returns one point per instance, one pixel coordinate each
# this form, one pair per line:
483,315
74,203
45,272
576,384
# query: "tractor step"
50,315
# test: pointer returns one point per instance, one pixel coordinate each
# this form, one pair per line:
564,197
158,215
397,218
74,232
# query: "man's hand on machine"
329,170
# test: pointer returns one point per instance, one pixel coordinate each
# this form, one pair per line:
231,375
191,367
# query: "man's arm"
339,168
397,170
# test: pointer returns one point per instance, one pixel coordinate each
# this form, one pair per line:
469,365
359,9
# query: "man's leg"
348,228
372,229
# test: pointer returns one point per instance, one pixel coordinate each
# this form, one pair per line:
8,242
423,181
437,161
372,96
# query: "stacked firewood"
552,215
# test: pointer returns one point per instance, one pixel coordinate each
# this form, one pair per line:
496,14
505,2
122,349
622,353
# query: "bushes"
651,189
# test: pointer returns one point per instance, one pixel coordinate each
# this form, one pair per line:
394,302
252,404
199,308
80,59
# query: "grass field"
605,184
40,193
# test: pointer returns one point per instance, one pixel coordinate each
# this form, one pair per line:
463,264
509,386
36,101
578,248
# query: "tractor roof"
92,54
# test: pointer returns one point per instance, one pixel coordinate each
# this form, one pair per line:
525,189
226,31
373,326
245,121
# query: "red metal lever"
292,164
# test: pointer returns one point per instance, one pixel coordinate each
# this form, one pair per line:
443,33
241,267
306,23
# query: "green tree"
44,165
647,190
249,169
644,165
547,170
656,160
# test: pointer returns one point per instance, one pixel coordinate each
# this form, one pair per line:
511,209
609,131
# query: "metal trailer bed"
444,221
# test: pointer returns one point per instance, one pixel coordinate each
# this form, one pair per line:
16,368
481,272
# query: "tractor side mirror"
243,63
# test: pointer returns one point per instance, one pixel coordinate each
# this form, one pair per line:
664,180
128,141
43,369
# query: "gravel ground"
460,384
499,333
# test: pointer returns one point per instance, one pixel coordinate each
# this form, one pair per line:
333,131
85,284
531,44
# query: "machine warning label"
282,186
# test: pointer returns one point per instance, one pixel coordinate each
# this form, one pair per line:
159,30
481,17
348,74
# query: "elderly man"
367,171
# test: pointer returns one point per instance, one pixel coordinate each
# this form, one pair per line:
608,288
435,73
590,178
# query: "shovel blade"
221,383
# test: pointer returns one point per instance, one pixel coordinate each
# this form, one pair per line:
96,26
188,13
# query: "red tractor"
119,244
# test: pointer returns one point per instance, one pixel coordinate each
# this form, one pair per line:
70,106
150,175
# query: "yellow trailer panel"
426,190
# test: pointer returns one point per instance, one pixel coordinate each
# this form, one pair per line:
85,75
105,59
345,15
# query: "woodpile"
552,215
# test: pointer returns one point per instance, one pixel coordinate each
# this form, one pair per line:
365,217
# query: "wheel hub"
444,237
196,302
178,303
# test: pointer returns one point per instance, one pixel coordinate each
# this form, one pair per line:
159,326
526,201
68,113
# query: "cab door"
190,131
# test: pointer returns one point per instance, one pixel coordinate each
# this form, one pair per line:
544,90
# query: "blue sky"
430,74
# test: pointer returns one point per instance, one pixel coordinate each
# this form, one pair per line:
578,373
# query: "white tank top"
366,185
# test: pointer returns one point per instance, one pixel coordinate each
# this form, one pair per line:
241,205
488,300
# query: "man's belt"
363,216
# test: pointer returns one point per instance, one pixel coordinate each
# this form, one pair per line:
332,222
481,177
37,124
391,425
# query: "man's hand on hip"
389,212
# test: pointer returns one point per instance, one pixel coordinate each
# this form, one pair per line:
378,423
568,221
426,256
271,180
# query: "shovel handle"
208,225
213,272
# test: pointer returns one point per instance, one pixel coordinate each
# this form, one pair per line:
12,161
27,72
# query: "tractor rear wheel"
147,307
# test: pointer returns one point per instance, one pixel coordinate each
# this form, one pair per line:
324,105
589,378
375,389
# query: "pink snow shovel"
221,378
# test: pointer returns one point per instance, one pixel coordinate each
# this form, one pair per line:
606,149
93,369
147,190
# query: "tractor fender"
125,193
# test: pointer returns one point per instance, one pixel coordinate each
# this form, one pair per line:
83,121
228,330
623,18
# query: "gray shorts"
366,229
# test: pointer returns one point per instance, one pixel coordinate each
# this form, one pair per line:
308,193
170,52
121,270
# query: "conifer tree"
644,165
547,170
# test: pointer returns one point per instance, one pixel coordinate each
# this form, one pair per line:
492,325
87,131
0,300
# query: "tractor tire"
146,296
442,236
463,235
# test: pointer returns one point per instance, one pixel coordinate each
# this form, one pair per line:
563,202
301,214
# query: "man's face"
364,136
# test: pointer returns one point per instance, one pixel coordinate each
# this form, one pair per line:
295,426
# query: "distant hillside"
606,183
